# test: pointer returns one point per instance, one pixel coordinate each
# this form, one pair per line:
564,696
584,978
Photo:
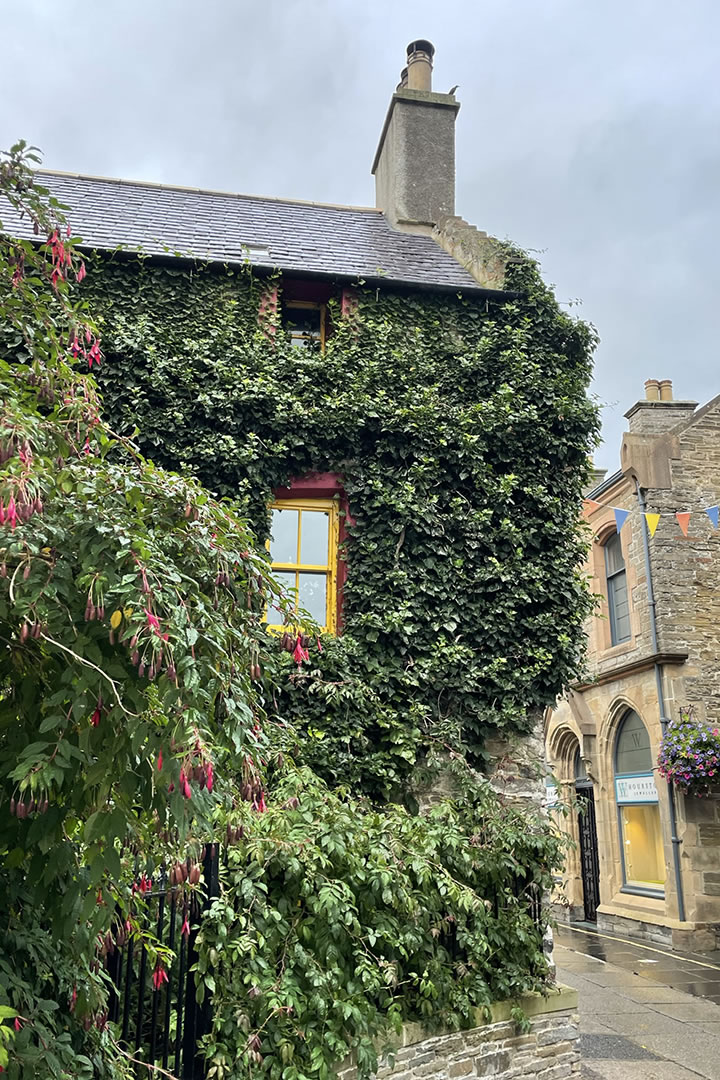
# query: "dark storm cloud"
589,131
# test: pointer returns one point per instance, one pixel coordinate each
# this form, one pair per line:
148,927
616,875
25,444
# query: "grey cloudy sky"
589,131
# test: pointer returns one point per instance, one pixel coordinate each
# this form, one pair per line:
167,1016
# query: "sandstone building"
647,859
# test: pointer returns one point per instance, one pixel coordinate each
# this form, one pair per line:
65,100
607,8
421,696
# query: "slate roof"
303,238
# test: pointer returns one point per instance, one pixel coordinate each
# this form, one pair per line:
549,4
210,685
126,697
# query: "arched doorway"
587,827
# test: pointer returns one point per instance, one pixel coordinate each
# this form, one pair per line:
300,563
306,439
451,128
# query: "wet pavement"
645,1013
694,974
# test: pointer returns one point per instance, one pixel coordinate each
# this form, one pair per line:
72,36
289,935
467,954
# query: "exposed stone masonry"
548,1051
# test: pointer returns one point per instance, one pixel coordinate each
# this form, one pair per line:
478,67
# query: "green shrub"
338,921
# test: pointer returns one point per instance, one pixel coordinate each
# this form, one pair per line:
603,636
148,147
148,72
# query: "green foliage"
131,608
131,605
461,429
338,922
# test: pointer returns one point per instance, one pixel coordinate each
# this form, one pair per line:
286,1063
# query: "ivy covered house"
401,406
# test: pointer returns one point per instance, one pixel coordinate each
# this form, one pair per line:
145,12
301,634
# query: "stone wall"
674,451
497,1048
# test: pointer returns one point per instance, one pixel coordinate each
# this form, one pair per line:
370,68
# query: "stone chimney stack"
649,446
659,411
414,166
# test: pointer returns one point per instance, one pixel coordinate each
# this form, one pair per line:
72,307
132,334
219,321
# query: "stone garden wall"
496,1048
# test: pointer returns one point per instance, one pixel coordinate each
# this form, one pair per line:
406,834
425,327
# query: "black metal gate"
590,866
160,1021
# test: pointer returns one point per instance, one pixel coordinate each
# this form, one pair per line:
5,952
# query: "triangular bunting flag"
652,523
683,521
712,513
620,517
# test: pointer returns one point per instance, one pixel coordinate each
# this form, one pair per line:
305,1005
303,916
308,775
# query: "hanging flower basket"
690,755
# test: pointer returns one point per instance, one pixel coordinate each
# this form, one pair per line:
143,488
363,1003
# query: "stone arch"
620,705
562,744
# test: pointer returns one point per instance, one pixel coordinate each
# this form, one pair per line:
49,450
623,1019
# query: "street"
646,1013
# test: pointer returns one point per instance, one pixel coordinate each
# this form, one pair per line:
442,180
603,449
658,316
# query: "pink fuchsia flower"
159,975
94,354
11,512
185,928
159,762
184,785
209,776
18,1023
154,624
299,653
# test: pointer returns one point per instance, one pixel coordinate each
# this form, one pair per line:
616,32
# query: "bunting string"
652,521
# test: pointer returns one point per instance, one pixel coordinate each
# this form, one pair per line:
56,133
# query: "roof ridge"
206,191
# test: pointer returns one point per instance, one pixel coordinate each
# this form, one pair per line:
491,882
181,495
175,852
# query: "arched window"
618,603
641,842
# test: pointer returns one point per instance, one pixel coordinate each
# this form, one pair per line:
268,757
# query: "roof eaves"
606,484
266,268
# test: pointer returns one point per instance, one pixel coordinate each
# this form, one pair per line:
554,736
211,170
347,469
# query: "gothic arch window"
641,844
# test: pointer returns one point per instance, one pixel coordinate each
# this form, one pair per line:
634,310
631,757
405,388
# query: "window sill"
615,650
639,890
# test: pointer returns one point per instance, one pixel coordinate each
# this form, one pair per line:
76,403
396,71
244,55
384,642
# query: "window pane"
304,325
613,555
619,608
642,846
283,543
314,538
287,580
312,595
633,747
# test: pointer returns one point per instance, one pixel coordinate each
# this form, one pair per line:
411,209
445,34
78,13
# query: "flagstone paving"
646,1013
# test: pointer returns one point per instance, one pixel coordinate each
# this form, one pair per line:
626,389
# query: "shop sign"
551,795
636,789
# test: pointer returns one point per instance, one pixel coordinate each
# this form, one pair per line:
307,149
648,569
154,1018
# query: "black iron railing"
160,1021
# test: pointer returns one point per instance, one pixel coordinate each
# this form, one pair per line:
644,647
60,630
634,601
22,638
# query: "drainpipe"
676,841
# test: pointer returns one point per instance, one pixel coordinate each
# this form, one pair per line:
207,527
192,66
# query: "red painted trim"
313,486
318,485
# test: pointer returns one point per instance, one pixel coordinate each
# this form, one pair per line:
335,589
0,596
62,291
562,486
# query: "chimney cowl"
419,65
666,390
652,390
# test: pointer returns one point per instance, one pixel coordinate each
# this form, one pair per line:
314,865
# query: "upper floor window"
307,323
618,603
303,549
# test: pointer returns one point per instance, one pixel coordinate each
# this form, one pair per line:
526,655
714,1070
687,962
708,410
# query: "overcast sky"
589,131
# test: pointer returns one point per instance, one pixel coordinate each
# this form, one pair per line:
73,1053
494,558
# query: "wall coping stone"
556,999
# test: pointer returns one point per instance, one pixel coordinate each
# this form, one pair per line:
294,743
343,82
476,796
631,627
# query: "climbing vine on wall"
461,428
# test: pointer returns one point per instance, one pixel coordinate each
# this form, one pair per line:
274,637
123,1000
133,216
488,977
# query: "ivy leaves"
462,432
338,922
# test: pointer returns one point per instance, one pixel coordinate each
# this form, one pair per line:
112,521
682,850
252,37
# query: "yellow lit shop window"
303,548
642,846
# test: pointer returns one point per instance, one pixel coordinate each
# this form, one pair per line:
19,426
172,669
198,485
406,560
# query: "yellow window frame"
330,507
309,305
